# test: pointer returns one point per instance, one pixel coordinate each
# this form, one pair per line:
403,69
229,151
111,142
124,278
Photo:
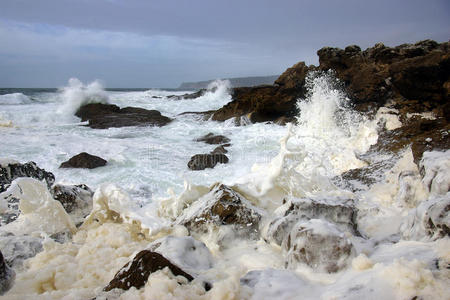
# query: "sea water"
148,183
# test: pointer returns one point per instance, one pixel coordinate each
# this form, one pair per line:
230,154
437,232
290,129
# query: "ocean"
148,184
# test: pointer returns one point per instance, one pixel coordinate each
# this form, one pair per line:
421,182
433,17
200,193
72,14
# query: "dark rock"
15,170
102,116
222,206
189,96
213,139
318,244
219,150
84,160
12,212
203,161
7,276
72,197
16,249
341,213
136,273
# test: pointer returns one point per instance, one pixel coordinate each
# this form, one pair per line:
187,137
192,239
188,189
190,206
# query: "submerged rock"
11,171
318,244
7,276
136,272
222,206
341,213
203,161
213,139
102,116
16,249
84,160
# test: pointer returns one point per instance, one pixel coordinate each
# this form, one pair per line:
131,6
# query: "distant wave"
14,99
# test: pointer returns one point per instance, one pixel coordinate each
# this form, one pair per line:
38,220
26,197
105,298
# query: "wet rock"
16,249
220,150
318,244
203,161
136,272
12,171
84,160
186,252
431,220
73,197
190,96
213,139
102,116
220,207
7,276
342,213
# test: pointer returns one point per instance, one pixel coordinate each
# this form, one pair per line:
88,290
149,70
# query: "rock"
84,160
430,220
12,171
136,272
213,139
16,249
102,116
7,276
341,213
190,96
12,212
220,207
318,244
203,161
220,150
76,200
187,253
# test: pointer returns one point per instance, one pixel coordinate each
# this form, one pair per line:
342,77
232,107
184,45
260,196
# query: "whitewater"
146,191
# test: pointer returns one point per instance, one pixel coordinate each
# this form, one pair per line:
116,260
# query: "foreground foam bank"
343,211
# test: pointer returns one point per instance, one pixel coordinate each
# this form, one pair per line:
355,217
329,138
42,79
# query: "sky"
148,43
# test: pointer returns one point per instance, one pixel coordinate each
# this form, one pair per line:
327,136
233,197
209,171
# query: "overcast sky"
147,43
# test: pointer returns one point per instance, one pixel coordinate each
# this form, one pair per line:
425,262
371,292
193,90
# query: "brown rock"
213,139
136,273
84,160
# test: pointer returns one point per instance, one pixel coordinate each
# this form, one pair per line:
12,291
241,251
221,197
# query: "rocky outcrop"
7,276
342,213
73,197
267,102
213,139
203,161
84,160
410,73
102,116
12,171
318,244
220,207
136,273
189,96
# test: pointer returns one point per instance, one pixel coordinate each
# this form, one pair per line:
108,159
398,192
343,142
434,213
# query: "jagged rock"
136,272
340,213
318,244
84,160
213,139
220,149
189,96
12,171
73,197
222,206
102,116
16,249
203,161
186,252
7,276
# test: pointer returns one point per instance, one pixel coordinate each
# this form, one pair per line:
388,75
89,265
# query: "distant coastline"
235,82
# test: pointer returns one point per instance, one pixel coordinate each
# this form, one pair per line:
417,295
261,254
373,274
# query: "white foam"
14,99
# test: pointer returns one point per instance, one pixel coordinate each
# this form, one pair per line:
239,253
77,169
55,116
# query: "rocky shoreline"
410,82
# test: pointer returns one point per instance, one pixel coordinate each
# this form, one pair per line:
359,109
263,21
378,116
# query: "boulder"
318,244
342,213
220,149
11,171
84,160
213,139
7,276
203,161
102,116
136,272
73,197
222,206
